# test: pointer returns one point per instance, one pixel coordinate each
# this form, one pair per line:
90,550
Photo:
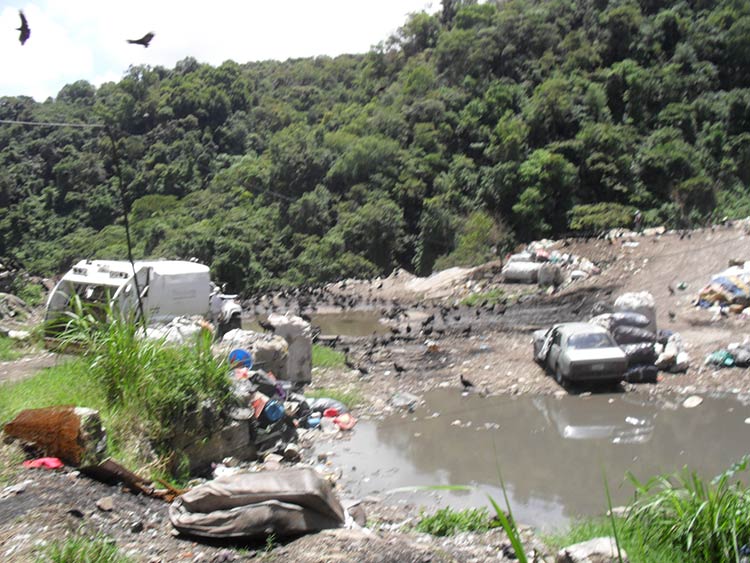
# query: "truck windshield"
592,340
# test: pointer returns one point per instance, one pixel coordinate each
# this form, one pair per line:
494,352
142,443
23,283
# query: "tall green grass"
144,389
678,517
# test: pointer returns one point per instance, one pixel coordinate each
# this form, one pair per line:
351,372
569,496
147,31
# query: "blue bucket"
240,358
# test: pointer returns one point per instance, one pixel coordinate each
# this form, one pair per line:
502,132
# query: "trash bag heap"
632,324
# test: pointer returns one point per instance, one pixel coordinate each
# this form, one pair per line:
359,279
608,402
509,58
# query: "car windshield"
590,340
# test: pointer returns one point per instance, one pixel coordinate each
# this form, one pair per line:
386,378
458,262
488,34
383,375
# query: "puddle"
551,451
350,323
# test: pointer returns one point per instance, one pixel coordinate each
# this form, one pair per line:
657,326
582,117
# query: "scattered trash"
720,358
255,505
682,286
19,488
692,402
44,463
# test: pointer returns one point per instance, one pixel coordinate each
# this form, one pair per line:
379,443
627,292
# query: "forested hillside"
472,127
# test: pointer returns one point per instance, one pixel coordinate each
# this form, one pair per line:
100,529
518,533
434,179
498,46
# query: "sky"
85,39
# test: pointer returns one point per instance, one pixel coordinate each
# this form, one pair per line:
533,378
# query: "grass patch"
80,550
9,349
679,517
143,389
325,357
487,298
350,397
448,522
11,457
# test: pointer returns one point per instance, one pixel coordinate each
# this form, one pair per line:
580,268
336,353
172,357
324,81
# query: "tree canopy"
466,130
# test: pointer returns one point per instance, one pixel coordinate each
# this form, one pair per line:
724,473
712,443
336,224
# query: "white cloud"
85,39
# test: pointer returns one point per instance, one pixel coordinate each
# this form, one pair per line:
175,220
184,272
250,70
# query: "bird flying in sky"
24,29
145,40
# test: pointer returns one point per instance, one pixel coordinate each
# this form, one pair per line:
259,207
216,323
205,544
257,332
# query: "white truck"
168,288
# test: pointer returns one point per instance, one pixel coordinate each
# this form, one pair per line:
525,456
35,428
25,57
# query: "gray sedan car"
579,352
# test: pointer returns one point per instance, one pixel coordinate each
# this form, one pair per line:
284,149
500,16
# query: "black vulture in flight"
24,29
145,40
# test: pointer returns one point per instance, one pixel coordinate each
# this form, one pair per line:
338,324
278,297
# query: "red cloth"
331,412
44,463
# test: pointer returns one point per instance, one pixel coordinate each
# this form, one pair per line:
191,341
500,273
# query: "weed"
325,357
9,349
270,542
31,293
78,550
487,298
447,522
11,457
350,397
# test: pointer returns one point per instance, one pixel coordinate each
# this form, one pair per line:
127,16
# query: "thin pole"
116,162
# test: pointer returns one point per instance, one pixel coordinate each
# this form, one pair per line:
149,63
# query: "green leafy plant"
705,521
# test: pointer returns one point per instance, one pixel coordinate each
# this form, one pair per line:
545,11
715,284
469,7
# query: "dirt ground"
489,344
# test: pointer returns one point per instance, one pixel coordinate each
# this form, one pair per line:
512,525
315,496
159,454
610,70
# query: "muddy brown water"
349,323
552,452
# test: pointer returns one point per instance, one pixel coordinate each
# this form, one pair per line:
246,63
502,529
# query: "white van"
168,288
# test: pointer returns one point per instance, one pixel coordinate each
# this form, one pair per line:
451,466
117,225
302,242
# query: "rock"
106,504
597,550
20,335
73,434
14,490
404,400
136,527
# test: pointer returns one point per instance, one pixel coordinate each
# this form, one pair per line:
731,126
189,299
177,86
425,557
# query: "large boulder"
73,434
597,550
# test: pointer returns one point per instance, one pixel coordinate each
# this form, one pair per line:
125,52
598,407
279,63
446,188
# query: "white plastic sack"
642,302
521,272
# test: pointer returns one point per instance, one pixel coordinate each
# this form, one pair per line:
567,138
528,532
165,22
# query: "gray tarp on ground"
252,505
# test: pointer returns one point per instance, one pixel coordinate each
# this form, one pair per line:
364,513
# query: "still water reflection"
552,452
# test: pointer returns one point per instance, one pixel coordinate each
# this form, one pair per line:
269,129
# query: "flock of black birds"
25,33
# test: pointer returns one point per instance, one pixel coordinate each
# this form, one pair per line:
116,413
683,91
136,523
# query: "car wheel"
559,376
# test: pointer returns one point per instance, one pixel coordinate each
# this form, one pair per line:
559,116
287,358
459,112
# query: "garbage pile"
632,324
728,291
544,263
277,409
735,355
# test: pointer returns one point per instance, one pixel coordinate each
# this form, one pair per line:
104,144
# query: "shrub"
601,216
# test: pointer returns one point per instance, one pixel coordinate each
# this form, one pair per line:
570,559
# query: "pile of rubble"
728,291
544,262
